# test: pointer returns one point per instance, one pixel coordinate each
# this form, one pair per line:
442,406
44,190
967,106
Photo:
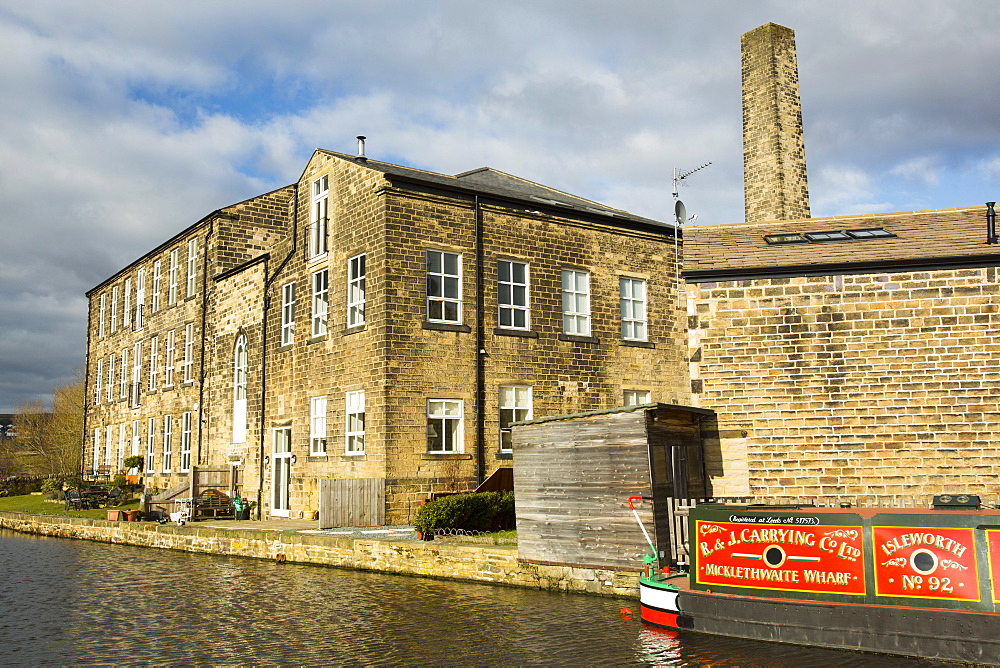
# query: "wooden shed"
573,475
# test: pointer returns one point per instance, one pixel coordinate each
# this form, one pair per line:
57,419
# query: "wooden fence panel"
351,502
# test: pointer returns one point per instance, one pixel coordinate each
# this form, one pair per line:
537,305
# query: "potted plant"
133,466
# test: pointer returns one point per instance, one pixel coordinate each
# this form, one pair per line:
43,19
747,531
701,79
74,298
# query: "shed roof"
618,409
942,237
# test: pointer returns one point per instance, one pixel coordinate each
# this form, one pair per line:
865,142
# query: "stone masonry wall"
857,386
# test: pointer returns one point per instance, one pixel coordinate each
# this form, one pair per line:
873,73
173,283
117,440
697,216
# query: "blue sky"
122,123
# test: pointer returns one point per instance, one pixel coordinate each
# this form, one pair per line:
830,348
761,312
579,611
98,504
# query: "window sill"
287,346
316,339
447,327
317,458
187,383
573,338
523,333
505,455
354,330
317,258
353,457
445,455
637,344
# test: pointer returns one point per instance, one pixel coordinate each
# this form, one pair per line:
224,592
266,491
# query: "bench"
212,503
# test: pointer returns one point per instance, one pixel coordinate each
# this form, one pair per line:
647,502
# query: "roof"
939,238
617,409
489,181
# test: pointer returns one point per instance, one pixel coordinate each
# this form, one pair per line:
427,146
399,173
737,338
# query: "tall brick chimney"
774,153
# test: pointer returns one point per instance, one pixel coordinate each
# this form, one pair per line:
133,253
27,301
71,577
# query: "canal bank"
291,542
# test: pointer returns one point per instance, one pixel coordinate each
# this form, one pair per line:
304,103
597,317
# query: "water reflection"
74,602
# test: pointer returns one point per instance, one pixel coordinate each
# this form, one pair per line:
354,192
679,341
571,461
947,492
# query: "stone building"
852,357
381,324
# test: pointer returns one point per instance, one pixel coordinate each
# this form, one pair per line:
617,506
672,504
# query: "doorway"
281,471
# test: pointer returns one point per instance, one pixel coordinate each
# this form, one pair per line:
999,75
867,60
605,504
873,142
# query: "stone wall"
871,385
487,564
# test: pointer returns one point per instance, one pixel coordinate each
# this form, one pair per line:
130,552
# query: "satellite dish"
680,212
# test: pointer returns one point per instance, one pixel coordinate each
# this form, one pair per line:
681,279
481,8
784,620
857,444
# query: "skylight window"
785,239
871,233
828,235
832,235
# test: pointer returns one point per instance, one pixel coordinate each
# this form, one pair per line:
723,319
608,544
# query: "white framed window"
127,308
240,390
150,444
355,427
632,297
136,438
140,298
97,448
189,352
114,309
512,295
99,381
192,267
154,359
356,271
172,276
137,374
635,397
576,302
120,460
168,442
317,426
444,287
109,445
287,313
185,441
123,376
111,377
100,318
157,281
318,216
169,356
320,301
514,405
444,425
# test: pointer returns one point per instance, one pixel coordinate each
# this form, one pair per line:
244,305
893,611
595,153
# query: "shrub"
482,511
133,462
52,485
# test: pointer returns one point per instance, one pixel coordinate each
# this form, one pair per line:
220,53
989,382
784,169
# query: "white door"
282,471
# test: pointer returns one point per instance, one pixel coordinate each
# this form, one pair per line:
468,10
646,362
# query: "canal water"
76,602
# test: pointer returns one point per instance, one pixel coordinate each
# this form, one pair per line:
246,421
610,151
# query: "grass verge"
35,504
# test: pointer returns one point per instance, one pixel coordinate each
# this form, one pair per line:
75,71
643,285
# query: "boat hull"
913,632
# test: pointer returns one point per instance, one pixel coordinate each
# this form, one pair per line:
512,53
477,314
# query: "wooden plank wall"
572,480
351,502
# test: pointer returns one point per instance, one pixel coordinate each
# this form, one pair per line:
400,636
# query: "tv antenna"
680,214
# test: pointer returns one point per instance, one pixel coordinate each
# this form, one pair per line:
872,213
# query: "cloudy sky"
122,123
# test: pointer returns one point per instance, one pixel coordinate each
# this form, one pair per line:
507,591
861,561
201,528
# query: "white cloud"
122,123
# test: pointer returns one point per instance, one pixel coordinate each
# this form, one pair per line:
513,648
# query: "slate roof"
488,181
937,238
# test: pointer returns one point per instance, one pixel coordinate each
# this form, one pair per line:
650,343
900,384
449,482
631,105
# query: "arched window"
240,390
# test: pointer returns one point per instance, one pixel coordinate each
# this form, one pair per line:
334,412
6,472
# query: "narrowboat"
907,582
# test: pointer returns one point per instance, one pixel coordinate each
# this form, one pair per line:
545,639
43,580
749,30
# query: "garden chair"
76,501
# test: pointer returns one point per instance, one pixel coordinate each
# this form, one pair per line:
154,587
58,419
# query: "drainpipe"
204,320
86,393
268,281
480,353
991,223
